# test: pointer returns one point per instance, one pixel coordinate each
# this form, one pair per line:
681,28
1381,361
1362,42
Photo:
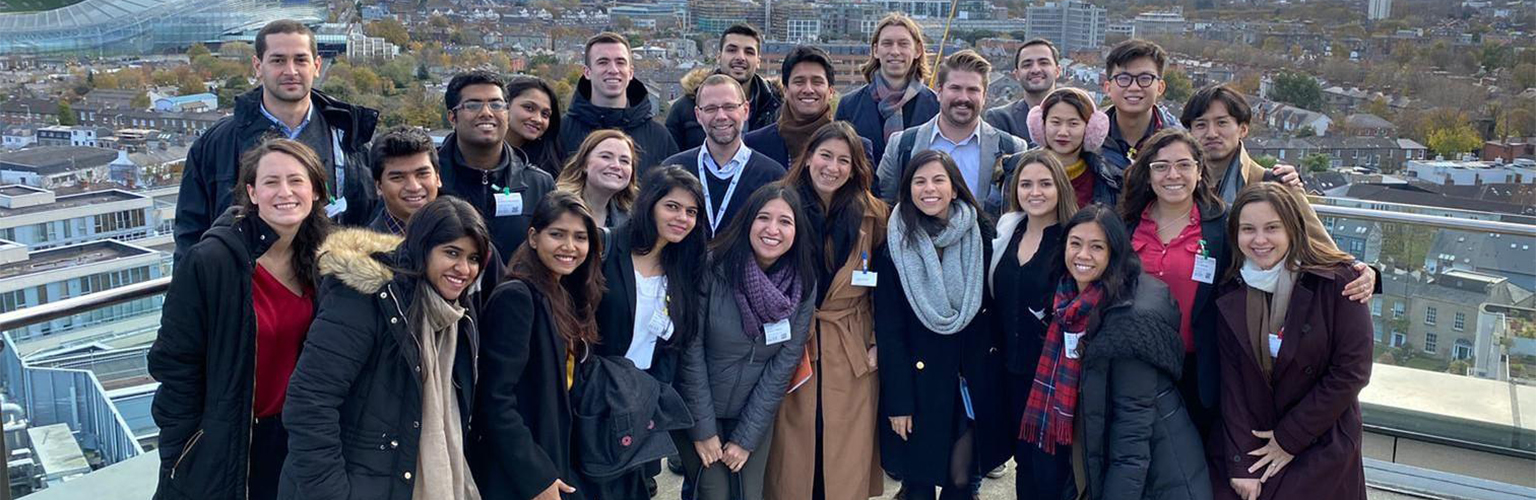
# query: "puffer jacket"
683,122
727,375
655,142
1138,439
354,403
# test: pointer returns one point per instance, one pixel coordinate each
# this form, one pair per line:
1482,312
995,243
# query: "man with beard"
285,105
479,166
1035,68
609,96
808,80
895,97
978,148
740,49
728,169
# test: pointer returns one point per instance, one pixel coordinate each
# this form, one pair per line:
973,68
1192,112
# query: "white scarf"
1263,279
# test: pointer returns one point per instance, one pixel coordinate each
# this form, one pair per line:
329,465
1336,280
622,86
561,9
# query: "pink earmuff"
1093,135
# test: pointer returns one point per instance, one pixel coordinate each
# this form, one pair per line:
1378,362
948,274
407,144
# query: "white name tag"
509,204
661,325
776,332
865,278
1069,341
1205,269
1274,345
336,208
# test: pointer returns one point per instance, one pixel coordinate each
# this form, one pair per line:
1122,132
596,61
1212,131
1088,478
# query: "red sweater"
282,321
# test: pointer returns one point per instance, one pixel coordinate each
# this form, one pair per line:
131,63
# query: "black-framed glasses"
475,106
729,107
1143,80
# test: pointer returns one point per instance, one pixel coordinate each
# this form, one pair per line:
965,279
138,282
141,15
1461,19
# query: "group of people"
787,300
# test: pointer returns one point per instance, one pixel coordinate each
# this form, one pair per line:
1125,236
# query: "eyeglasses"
728,108
1183,166
476,106
1143,80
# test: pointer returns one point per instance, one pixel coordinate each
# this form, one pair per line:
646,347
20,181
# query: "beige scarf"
442,472
1266,315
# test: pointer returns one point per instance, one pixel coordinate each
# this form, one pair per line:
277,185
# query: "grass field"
34,5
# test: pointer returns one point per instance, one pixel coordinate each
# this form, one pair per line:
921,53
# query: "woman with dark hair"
1024,255
545,324
1105,382
533,118
933,336
242,297
651,307
1292,432
761,292
602,172
1069,126
379,404
817,437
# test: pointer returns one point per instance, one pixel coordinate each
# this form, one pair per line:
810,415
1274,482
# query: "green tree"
1317,162
191,84
67,114
1179,86
367,81
197,49
140,101
1266,161
1524,75
1453,140
1297,90
390,30
241,52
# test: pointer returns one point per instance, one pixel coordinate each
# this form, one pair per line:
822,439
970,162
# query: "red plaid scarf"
1047,419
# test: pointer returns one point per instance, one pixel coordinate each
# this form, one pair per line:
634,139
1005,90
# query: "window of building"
1398,309
1431,341
1376,306
11,301
1399,338
1460,323
1430,315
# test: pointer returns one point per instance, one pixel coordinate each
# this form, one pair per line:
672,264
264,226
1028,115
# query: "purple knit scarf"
765,299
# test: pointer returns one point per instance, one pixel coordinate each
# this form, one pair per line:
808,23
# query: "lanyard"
709,204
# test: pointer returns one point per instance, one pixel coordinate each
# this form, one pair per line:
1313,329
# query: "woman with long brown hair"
1295,354
602,173
241,298
544,323
819,437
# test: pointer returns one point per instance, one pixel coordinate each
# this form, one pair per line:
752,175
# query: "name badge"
661,325
1205,269
1069,341
865,278
1274,345
336,207
776,332
508,203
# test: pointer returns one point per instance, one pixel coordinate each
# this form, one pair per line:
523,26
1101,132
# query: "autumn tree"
1179,86
390,30
1317,162
1451,141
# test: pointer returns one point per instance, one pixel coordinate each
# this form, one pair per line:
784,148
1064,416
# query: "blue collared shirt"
967,155
291,133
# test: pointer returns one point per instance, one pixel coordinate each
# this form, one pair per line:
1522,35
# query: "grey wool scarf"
945,292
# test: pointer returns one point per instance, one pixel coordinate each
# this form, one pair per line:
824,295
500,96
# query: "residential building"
1159,23
59,135
40,219
1509,150
39,277
714,16
1373,153
51,167
1431,202
1368,125
849,20
187,103
1474,172
649,15
1286,118
1438,315
361,47
19,137
794,21
1507,256
1377,10
1360,238
1072,25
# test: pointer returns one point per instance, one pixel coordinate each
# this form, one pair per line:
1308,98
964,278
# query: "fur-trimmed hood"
1145,327
353,256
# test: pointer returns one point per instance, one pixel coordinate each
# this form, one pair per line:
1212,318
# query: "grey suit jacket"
888,174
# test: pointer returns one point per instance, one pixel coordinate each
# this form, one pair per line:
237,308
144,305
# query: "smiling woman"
602,172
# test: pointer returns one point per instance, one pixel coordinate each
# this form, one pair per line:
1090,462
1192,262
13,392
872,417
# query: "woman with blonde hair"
602,173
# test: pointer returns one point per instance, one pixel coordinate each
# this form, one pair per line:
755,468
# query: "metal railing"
1405,214
75,305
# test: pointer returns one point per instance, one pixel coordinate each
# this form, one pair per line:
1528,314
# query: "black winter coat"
1137,437
522,441
205,360
920,374
860,109
354,402
683,120
636,120
616,312
209,179
480,187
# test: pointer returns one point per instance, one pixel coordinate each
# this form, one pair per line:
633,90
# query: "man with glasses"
1035,68
740,56
728,169
285,105
1133,79
479,166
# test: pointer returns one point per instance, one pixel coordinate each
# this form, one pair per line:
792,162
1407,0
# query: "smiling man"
728,169
1133,78
404,167
740,55
808,79
1035,68
479,166
609,96
895,97
285,105
978,148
